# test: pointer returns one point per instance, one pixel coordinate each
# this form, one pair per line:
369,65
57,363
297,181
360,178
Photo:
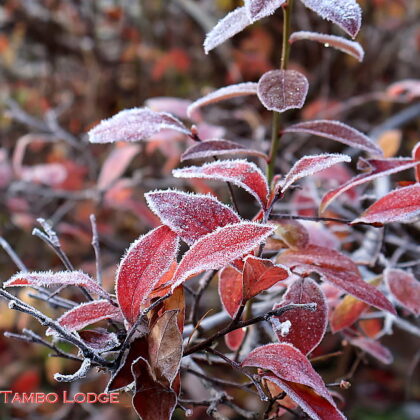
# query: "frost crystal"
282,328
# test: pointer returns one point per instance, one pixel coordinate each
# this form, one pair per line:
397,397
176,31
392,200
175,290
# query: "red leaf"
116,163
230,290
152,400
145,262
404,288
235,338
258,9
191,216
87,313
337,269
307,329
133,125
375,169
397,206
349,47
346,313
59,278
99,339
210,148
346,13
240,172
309,165
227,92
335,130
280,90
290,367
375,349
219,248
226,28
260,274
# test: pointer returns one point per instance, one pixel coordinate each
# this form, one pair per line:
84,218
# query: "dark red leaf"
191,216
346,13
210,148
260,274
397,206
219,248
307,328
404,288
145,262
230,290
240,172
280,90
337,269
335,130
349,47
133,125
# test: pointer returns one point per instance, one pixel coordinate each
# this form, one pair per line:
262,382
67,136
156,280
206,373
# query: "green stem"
285,52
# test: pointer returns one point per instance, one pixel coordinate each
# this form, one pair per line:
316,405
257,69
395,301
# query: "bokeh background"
67,64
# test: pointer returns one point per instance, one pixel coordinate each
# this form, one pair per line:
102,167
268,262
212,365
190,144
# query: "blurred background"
67,64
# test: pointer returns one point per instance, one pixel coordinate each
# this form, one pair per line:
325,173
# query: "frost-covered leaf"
151,400
222,94
133,125
335,268
307,329
290,367
116,163
260,274
336,130
404,288
240,172
147,259
99,339
292,232
219,248
88,313
165,347
230,25
279,90
230,289
210,148
59,278
374,348
344,13
374,168
397,206
235,338
258,9
346,313
349,47
191,216
309,165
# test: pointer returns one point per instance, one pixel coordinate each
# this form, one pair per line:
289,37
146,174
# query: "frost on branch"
337,269
191,216
374,168
134,125
230,289
210,148
306,332
335,130
59,278
240,172
309,165
219,248
258,9
397,206
404,288
279,90
222,94
292,372
344,13
145,262
349,47
88,313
